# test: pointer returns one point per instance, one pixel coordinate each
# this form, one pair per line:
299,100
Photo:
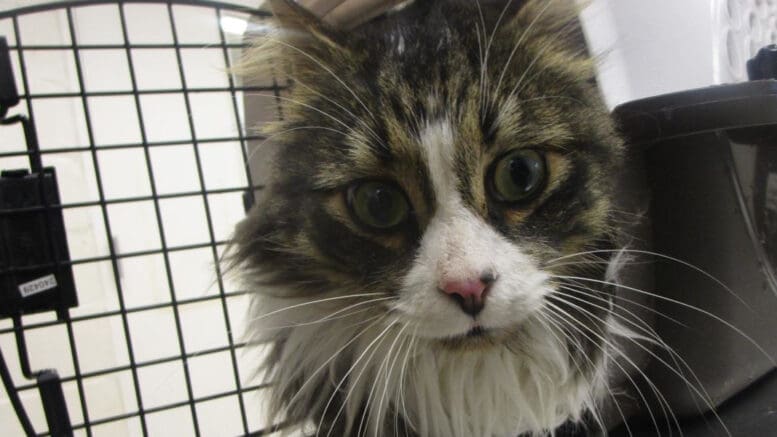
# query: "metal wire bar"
80,3
206,204
236,111
106,222
31,47
137,309
133,254
13,396
146,92
121,200
222,292
140,365
152,410
160,226
133,145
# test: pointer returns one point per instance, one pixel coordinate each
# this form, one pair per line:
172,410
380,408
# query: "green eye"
518,176
378,205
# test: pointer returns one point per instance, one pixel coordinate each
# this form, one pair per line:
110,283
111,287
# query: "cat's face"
437,167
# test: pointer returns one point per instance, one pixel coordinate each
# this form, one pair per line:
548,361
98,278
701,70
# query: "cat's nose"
469,293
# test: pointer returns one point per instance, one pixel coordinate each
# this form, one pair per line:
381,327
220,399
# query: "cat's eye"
518,176
378,205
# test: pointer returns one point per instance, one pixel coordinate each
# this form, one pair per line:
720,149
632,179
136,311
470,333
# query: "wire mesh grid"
152,152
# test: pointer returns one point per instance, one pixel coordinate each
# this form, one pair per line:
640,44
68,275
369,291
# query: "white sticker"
38,286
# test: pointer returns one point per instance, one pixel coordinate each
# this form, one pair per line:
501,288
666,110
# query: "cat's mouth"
477,337
477,331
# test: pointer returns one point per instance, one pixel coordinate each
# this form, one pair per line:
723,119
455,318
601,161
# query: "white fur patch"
458,245
437,144
496,392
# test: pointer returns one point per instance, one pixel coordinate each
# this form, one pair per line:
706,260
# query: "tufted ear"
299,44
551,30
293,16
555,21
302,26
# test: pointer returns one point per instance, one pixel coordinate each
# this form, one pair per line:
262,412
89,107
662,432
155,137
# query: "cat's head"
439,171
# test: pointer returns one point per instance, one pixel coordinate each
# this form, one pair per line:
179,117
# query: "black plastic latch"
764,64
35,270
53,400
9,97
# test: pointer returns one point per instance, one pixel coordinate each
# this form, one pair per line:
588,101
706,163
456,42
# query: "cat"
429,254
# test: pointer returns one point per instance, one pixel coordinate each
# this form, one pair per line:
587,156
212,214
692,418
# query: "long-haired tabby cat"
411,262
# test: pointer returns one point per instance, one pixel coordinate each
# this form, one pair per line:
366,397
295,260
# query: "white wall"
651,47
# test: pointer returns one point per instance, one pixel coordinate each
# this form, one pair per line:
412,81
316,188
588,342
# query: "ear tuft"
558,20
300,22
290,15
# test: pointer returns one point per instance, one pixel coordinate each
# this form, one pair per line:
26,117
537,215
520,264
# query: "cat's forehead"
410,140
486,110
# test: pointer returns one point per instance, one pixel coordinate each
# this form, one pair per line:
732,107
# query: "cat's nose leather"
469,294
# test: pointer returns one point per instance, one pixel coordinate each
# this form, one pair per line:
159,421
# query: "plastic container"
710,162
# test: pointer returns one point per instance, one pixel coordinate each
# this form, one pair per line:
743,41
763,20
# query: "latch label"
38,286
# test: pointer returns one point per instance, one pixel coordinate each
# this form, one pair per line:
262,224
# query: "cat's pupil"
380,204
377,205
525,173
518,176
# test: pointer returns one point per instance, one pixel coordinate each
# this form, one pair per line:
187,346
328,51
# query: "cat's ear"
553,30
301,27
555,22
299,44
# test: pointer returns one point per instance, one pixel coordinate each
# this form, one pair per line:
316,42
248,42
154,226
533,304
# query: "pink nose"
467,288
469,293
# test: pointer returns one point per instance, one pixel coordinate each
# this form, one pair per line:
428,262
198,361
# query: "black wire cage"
133,160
